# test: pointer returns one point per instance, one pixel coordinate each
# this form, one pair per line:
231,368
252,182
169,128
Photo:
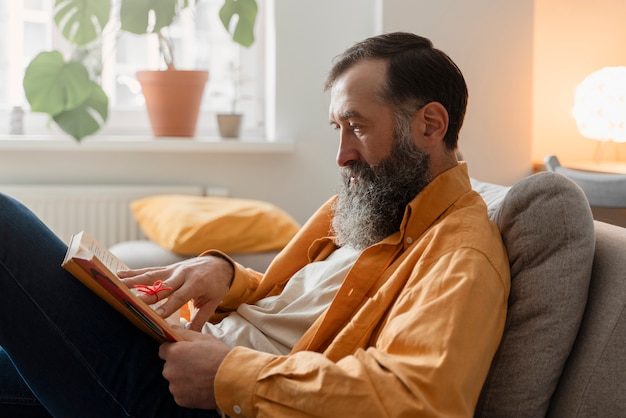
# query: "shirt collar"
435,199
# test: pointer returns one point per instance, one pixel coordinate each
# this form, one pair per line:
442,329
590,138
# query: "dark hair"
417,73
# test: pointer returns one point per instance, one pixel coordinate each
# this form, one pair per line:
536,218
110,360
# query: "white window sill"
244,145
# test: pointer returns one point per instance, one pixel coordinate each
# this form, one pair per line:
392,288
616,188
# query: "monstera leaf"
88,117
52,85
135,14
82,21
64,90
243,33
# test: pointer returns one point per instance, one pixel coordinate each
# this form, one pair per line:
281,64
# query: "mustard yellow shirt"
411,332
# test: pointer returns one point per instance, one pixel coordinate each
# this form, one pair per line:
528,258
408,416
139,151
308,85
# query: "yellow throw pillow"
189,225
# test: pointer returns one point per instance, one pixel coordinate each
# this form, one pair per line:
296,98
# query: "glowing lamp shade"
600,105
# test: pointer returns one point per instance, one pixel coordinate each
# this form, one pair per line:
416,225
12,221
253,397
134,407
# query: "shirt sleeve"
428,355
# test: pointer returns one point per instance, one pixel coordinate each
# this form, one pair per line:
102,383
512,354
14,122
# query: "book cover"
95,266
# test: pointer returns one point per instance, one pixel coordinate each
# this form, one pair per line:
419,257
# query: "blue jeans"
62,347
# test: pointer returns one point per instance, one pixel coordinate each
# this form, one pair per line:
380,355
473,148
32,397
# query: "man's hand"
191,366
204,280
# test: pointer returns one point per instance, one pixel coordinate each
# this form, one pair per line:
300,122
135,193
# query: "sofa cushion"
547,228
593,384
189,225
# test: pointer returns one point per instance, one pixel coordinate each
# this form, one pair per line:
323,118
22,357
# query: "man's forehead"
369,72
357,86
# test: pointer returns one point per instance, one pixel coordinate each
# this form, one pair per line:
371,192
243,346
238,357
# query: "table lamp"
600,106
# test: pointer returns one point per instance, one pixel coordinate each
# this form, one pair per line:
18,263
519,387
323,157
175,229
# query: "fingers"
146,276
152,285
175,300
136,272
203,314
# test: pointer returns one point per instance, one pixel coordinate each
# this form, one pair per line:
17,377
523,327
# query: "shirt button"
409,240
237,409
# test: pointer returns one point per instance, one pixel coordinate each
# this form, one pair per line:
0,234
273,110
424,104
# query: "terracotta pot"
173,100
229,124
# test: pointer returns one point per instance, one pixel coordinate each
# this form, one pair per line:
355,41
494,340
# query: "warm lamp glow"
600,105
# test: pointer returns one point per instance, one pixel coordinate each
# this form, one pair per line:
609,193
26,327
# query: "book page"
91,245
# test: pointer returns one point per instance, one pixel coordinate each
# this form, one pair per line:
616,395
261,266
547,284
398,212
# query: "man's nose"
347,151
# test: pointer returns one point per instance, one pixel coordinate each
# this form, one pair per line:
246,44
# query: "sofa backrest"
547,228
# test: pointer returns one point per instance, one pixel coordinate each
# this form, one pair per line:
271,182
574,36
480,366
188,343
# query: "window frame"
134,121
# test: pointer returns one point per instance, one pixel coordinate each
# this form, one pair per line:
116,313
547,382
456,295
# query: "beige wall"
491,41
573,38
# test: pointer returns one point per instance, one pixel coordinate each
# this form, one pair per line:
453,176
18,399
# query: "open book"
94,265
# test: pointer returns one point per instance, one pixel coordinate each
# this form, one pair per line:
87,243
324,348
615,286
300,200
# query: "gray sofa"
563,352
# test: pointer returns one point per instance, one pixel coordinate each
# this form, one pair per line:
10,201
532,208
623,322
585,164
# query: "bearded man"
390,301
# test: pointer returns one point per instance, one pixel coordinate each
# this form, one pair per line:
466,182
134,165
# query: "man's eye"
355,128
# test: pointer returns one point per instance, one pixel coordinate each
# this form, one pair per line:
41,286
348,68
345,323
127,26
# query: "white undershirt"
274,324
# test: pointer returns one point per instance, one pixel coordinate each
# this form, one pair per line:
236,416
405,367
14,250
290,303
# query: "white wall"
491,41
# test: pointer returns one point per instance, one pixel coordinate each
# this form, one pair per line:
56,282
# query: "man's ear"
431,123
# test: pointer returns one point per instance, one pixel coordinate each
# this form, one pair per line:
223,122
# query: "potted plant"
229,123
70,91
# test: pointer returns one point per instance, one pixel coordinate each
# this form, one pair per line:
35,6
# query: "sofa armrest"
593,381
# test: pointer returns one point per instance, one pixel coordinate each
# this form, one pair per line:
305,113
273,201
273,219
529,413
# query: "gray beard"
372,208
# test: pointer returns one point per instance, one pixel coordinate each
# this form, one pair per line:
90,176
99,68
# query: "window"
200,42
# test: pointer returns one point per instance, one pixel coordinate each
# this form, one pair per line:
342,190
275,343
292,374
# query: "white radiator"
101,210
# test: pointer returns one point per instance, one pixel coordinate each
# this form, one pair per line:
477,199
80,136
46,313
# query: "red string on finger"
153,290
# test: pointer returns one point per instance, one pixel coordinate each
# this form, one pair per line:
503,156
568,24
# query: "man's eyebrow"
345,116
349,114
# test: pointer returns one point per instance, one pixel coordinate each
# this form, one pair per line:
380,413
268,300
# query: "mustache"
359,170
